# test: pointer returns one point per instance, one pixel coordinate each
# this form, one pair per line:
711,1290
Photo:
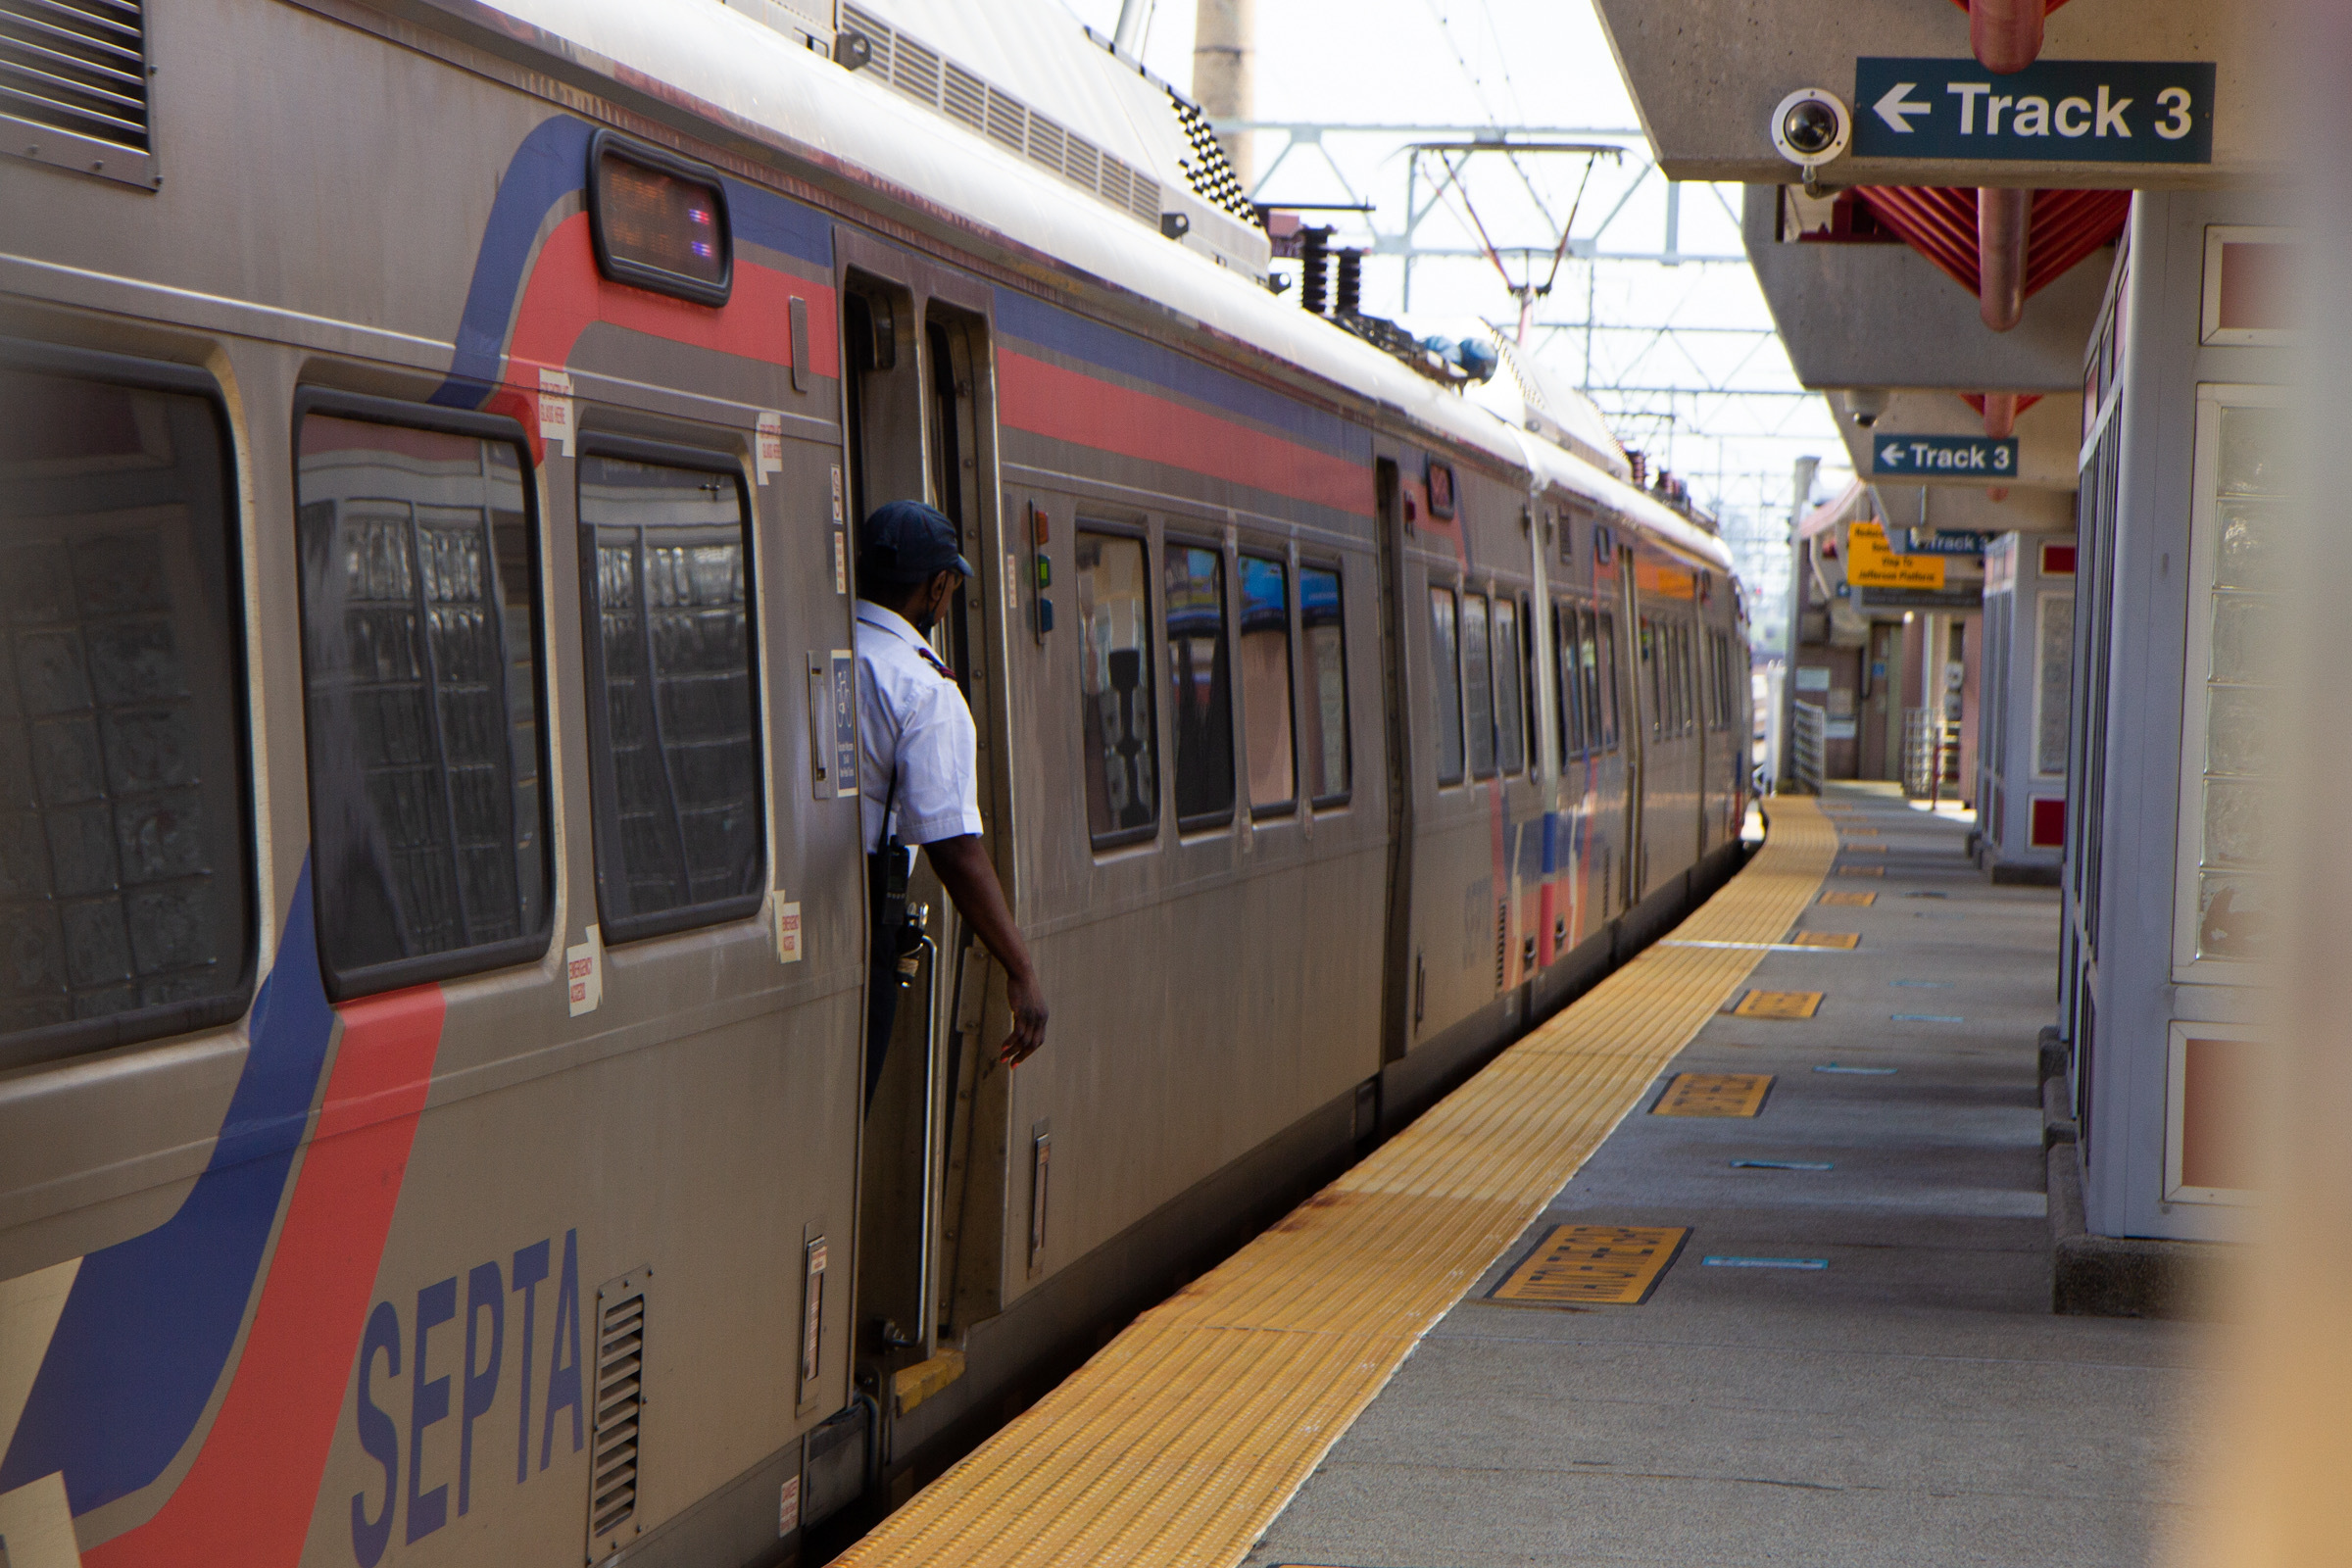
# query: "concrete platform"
1914,1403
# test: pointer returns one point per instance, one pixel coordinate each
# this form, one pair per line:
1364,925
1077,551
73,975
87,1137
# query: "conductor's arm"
964,870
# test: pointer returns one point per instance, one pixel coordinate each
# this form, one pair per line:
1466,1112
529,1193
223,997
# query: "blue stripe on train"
149,1321
551,164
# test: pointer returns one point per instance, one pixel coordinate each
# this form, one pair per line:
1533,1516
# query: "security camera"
1811,127
1865,407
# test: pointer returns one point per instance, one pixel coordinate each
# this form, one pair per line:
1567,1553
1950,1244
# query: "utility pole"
1224,73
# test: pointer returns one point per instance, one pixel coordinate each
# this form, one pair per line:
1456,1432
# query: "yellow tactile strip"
1179,1443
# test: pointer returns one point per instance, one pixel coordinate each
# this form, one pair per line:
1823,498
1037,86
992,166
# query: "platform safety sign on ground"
1593,1265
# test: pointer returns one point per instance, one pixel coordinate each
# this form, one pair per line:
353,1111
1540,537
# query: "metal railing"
1931,753
1809,747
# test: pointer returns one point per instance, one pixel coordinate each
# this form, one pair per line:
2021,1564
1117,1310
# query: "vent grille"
914,70
78,66
1045,142
619,1404
966,98
1144,202
1083,164
1008,120
922,74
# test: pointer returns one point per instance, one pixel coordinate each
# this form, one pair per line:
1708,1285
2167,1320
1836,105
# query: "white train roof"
721,64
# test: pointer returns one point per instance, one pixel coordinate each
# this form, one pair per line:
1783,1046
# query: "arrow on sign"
1896,107
1891,455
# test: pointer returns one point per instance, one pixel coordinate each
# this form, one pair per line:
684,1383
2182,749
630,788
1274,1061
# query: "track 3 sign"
1944,457
2055,111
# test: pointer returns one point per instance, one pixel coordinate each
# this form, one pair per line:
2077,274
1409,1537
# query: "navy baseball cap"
906,542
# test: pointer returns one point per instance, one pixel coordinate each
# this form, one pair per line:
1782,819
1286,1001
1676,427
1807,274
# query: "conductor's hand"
1028,1020
964,870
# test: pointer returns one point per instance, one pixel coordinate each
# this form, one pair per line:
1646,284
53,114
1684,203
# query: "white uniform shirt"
912,725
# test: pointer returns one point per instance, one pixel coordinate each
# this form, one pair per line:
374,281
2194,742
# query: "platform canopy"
2118,94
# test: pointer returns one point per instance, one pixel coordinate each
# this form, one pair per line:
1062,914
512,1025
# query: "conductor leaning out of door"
920,753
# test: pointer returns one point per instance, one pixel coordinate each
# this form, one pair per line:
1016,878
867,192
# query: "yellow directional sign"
1827,939
1871,564
1857,900
1593,1265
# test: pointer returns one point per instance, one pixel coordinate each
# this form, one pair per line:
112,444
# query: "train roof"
746,76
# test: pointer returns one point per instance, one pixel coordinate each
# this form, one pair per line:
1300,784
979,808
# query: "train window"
674,716
1266,685
421,633
1326,683
1607,666
1510,710
1478,686
126,869
1445,685
1114,680
1571,682
1199,685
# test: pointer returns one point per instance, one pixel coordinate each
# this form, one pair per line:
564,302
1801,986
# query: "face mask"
930,615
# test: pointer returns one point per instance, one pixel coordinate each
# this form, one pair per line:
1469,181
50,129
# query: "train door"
1400,977
919,422
1700,666
1634,728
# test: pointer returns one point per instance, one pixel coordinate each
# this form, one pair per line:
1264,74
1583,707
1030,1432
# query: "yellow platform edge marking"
1827,939
1593,1265
1179,1441
1849,899
1861,870
1714,1093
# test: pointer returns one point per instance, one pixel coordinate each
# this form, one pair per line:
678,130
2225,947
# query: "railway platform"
1742,1258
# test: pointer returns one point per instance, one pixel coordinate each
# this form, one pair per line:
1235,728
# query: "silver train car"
431,1068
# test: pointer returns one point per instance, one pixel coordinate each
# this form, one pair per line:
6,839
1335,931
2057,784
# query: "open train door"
919,423
1633,727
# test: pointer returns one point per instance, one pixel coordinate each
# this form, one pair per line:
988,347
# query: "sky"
1654,344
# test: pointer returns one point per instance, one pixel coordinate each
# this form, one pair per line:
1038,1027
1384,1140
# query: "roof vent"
927,76
73,85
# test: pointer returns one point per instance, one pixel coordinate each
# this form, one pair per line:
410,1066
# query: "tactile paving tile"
1180,1440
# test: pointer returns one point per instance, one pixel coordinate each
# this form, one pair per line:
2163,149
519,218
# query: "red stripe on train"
1047,400
565,295
249,1497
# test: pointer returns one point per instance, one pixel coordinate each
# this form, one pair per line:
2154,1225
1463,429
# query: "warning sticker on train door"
768,454
1714,1093
1593,1265
555,422
584,973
